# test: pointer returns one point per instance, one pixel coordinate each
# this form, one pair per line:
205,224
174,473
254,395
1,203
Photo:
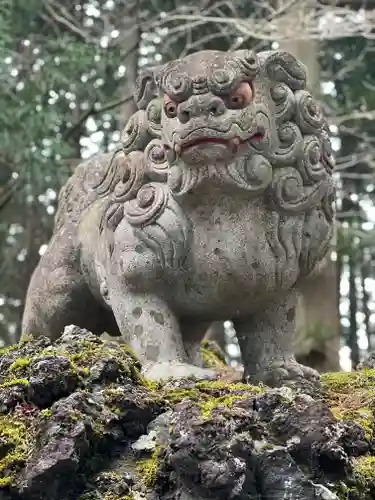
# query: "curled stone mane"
137,186
302,187
302,163
294,174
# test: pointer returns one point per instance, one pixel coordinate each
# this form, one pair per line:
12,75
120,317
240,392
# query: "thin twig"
94,111
63,20
8,191
355,115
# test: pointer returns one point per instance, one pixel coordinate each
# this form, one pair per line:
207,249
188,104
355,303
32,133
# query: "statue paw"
166,370
289,372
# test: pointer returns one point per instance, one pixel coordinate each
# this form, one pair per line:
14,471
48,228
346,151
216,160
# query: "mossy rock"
351,396
74,415
80,386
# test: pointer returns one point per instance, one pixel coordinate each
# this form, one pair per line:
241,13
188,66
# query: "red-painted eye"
241,97
170,107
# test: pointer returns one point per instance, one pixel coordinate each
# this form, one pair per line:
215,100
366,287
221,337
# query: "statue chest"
235,260
233,254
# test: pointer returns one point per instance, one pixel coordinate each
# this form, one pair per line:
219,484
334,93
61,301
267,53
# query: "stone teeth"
234,144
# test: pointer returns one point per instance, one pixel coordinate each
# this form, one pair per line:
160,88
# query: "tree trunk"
365,273
353,309
130,42
318,322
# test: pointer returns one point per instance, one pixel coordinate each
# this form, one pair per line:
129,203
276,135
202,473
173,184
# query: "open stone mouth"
232,143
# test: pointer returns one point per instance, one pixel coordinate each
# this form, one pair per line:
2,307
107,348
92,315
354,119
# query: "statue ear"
147,86
282,66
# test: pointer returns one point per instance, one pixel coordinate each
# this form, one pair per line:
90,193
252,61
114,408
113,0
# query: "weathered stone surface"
217,205
103,432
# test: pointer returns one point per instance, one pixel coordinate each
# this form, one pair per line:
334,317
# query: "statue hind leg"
58,296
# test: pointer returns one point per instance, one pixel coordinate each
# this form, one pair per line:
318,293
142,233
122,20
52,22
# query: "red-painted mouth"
257,137
205,140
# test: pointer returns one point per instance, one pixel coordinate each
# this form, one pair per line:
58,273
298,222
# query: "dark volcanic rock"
63,408
79,422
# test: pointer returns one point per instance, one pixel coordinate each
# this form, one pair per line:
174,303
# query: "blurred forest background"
67,71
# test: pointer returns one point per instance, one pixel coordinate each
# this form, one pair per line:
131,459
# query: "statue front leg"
152,330
266,343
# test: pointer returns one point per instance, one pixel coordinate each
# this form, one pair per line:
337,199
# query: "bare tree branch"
319,22
7,192
355,115
61,19
93,111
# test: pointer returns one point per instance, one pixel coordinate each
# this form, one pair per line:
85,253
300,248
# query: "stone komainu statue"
218,204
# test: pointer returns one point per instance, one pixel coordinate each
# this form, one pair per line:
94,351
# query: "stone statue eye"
170,107
241,97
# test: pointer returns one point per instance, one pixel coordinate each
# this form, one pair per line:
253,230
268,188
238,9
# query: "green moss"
46,413
4,481
14,381
346,382
17,373
7,350
362,416
212,355
130,352
224,386
90,352
364,468
114,398
113,483
26,339
207,395
364,474
20,364
210,394
14,436
231,395
208,406
351,396
114,496
341,490
150,384
147,468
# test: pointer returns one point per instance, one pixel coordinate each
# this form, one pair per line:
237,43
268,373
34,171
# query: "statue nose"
200,105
